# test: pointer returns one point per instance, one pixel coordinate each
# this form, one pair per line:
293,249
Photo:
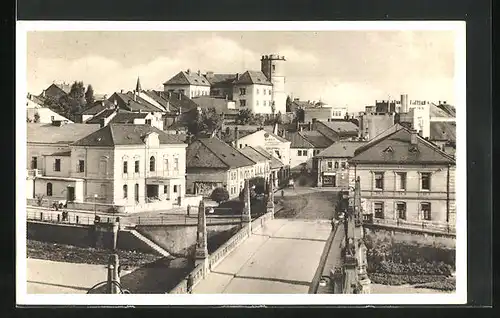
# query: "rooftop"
443,131
65,134
396,148
253,154
102,115
125,134
253,77
214,153
188,78
341,149
308,139
127,117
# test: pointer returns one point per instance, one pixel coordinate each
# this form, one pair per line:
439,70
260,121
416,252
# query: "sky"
340,68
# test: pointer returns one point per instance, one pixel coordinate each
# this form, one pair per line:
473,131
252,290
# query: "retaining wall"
411,237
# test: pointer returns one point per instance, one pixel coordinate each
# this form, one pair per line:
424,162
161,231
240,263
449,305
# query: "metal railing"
412,225
52,217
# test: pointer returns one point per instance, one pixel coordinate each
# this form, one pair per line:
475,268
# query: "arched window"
125,191
336,164
152,163
49,189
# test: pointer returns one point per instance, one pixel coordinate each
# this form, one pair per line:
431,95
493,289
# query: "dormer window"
413,149
389,150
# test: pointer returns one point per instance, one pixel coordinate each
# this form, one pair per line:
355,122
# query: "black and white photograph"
291,162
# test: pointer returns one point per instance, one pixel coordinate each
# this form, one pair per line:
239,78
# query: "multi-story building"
131,167
211,163
189,83
262,167
332,167
273,67
304,146
252,90
405,177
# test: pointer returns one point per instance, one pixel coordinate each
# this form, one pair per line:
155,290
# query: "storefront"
329,179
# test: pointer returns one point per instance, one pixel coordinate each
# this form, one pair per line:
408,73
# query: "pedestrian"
188,209
282,193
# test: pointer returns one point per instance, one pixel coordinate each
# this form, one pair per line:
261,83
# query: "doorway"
70,194
152,191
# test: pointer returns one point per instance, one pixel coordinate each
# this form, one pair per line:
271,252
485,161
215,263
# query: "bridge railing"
57,218
441,227
197,274
219,254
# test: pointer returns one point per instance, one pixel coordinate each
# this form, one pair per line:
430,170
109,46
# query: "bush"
219,195
396,280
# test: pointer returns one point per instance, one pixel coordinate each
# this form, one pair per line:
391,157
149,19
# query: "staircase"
150,243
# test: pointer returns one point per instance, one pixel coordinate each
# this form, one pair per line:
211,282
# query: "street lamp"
95,207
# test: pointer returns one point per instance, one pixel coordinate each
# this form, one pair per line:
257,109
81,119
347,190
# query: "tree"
89,96
288,104
203,123
244,116
299,115
219,195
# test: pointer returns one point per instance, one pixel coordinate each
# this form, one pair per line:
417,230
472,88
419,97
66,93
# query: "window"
425,208
401,210
343,165
243,91
34,163
336,164
379,210
52,118
379,180
81,165
257,103
125,191
165,165
57,165
165,189
152,163
49,189
176,164
299,153
401,180
175,188
243,102
136,192
264,103
330,164
148,121
269,92
257,91
136,166
425,182
125,167
264,91
274,67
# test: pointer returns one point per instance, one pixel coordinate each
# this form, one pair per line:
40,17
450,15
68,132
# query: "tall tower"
273,66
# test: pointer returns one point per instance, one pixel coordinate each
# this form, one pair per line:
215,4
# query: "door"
70,194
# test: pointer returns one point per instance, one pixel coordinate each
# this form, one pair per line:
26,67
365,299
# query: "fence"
417,226
181,220
227,248
52,217
197,275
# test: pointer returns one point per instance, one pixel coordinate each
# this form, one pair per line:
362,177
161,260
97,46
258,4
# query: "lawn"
314,205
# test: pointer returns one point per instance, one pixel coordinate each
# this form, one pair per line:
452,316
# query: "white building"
191,84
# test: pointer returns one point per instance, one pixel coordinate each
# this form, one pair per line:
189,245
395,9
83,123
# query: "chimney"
188,71
275,129
237,76
180,96
404,103
102,122
199,73
121,91
310,126
413,137
43,93
236,137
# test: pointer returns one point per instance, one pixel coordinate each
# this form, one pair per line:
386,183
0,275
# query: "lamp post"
95,207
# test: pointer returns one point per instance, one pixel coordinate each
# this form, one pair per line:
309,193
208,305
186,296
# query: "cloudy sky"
350,68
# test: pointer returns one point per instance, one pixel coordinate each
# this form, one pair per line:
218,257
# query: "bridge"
273,255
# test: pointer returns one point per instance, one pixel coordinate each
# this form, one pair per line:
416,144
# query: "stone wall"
411,237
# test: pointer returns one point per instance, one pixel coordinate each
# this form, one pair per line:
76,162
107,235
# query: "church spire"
138,87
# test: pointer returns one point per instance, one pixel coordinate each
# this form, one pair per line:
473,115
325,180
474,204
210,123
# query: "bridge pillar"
113,275
246,218
201,252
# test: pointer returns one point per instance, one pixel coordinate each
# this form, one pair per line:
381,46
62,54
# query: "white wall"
189,90
269,143
258,98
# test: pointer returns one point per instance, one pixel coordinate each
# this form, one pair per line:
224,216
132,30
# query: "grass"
315,205
88,255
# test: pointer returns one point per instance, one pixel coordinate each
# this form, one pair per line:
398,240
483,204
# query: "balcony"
34,172
164,174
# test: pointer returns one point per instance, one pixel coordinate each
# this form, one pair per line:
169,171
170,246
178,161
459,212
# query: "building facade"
273,67
189,83
405,177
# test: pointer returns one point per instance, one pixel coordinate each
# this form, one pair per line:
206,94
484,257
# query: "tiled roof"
450,110
125,134
175,100
298,141
230,136
341,149
214,153
64,87
65,134
219,104
440,131
396,148
253,154
315,138
217,79
126,101
275,162
98,107
253,77
187,78
104,114
127,117
36,99
436,111
342,127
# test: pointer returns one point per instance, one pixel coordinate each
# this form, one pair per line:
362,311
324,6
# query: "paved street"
282,257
